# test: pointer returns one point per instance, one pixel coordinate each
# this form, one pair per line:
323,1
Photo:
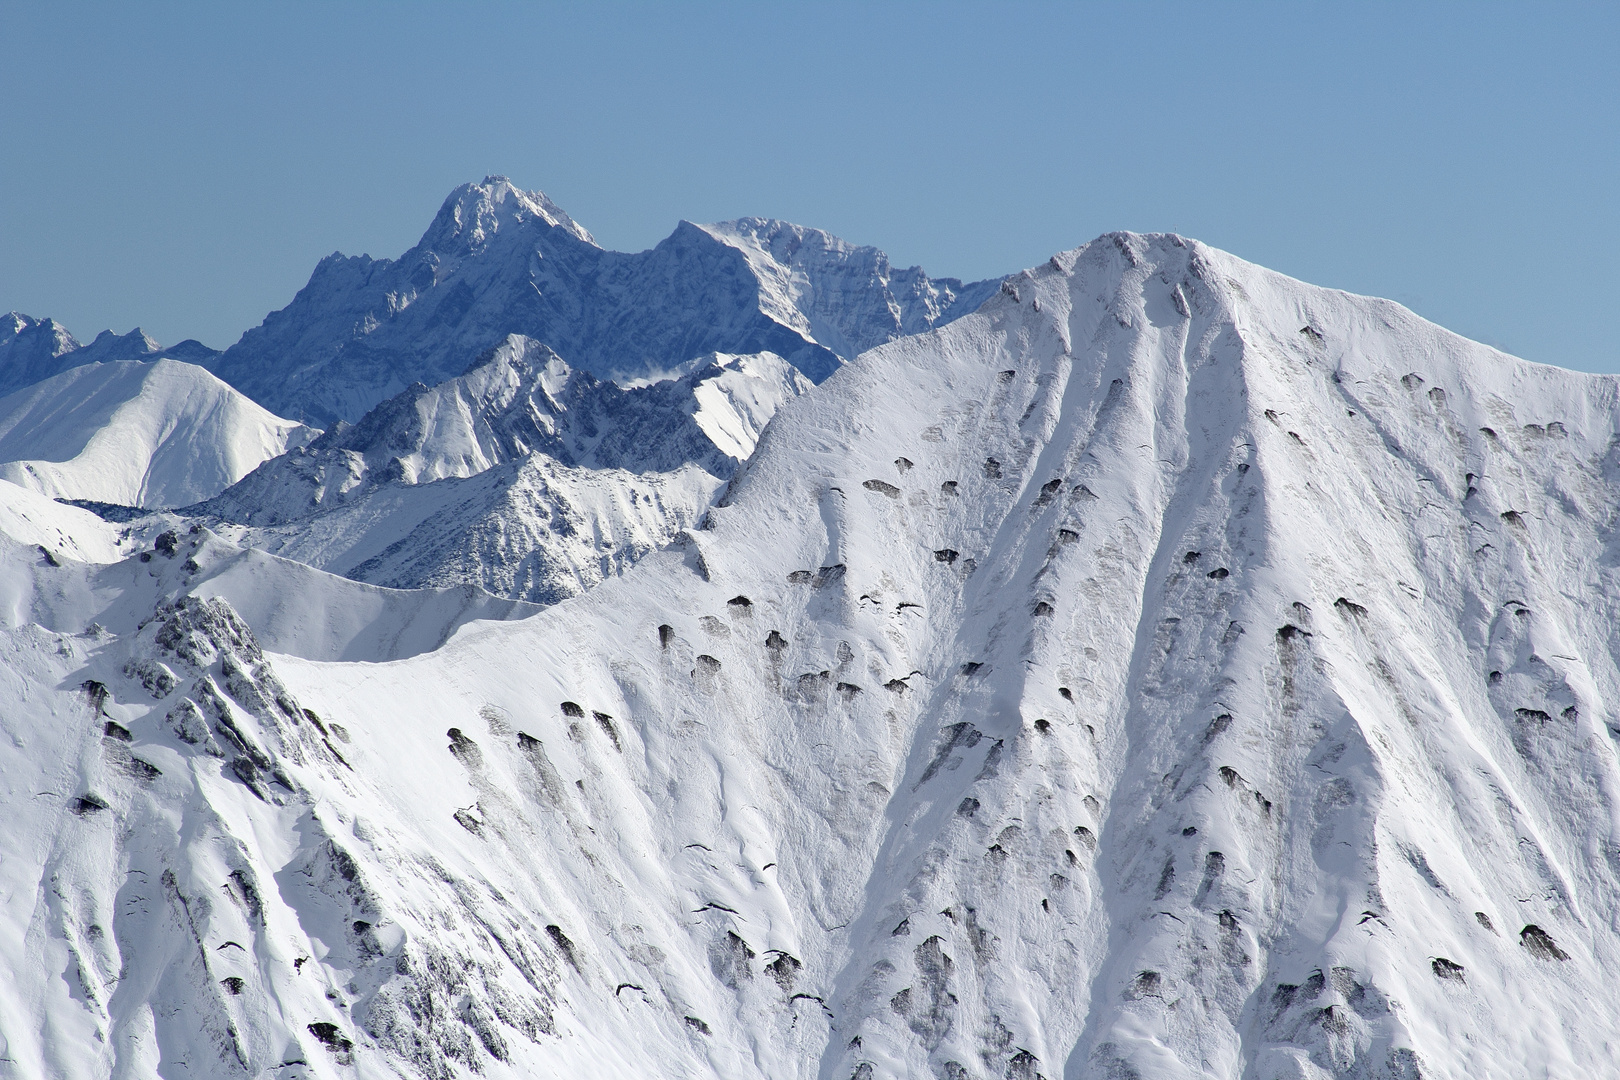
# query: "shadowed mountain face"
1168,670
499,261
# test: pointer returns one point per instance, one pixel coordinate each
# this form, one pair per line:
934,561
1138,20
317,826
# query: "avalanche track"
1171,670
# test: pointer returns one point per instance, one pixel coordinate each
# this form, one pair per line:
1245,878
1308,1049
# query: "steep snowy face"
498,261
137,434
1169,670
583,477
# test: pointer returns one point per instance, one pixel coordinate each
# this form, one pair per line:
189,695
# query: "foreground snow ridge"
1170,670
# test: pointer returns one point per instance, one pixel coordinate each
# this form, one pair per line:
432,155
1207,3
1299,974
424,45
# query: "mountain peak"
135,345
473,213
52,335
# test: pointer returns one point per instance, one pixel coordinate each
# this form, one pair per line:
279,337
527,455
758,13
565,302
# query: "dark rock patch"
1448,969
87,804
1541,944
564,945
882,487
328,1035
605,722
784,969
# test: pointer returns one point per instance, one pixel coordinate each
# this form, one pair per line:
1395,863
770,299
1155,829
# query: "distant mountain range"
32,350
497,261
507,405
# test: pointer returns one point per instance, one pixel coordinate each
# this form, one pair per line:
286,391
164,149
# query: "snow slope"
1170,670
521,477
153,434
498,261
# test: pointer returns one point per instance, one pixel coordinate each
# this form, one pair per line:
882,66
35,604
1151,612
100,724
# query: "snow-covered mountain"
149,434
522,476
32,350
498,261
1169,670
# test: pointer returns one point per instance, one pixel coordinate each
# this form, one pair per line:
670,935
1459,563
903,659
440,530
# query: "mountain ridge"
522,476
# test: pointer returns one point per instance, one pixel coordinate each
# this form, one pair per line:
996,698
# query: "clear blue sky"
183,166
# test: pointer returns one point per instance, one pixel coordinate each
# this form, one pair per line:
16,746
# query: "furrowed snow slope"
1170,670
137,434
531,530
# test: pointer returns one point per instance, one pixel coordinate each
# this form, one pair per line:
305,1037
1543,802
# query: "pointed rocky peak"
111,347
47,332
520,361
473,214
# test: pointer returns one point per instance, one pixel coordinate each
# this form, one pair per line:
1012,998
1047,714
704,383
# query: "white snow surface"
28,518
134,433
1170,670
